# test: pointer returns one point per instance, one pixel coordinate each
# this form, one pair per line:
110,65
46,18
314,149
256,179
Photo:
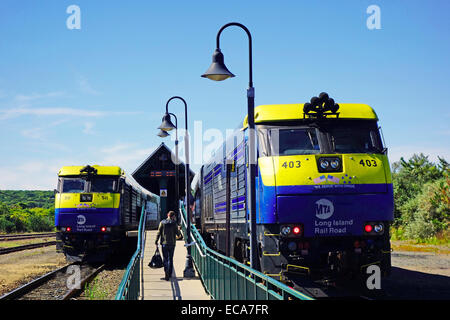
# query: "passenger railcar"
96,208
324,191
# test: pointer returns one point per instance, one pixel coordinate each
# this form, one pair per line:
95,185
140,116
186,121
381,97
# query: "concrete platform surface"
153,285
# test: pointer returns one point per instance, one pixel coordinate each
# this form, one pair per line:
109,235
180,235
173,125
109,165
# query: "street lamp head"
162,134
217,71
166,124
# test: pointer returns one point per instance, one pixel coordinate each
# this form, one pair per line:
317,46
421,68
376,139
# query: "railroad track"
332,289
64,283
27,247
12,237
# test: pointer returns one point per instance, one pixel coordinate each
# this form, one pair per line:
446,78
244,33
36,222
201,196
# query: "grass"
437,244
443,238
16,243
93,291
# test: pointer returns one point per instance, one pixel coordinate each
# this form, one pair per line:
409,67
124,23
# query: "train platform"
153,285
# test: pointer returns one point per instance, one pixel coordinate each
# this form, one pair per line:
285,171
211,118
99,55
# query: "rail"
226,279
129,288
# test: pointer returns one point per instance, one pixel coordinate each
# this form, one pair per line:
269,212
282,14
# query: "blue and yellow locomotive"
323,191
96,208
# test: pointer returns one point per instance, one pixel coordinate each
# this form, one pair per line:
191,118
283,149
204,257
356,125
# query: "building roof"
152,158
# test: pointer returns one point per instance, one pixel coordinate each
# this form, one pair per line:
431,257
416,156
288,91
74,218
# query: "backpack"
156,261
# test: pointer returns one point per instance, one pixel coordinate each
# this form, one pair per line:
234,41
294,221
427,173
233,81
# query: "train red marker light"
296,230
103,229
68,229
368,228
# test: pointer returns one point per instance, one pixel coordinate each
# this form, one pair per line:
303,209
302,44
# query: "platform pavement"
153,285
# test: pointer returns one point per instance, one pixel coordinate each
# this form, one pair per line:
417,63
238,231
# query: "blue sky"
96,95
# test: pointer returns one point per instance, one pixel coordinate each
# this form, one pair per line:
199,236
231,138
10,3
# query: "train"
97,211
324,195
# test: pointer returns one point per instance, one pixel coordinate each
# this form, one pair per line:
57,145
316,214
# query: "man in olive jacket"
168,231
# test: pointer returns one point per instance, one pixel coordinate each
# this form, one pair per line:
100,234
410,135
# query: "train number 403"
369,163
291,164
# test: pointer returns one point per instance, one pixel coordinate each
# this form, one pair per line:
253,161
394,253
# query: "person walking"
168,231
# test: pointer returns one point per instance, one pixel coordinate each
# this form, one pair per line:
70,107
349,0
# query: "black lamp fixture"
166,124
217,71
162,134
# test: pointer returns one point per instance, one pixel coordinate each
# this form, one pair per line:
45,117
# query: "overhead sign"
162,173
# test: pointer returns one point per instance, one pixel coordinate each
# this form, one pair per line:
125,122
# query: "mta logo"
81,219
324,209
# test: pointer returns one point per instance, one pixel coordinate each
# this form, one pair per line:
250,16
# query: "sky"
92,88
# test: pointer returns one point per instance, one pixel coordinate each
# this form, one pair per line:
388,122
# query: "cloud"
85,87
33,133
31,175
88,128
126,155
17,112
37,96
42,175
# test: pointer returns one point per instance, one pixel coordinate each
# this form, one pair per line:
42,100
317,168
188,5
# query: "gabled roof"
154,153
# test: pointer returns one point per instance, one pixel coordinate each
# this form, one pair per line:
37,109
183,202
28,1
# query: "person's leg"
166,258
171,251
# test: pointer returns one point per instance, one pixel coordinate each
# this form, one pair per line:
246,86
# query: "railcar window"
285,142
73,185
103,184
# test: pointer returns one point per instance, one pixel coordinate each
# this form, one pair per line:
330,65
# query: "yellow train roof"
101,170
286,112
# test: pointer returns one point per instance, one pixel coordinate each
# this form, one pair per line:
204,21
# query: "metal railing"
129,288
226,279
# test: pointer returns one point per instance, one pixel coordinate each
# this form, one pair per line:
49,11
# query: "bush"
40,220
421,197
15,218
6,225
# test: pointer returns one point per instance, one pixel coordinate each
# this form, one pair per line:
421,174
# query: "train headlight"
329,164
334,163
285,230
324,164
378,228
374,228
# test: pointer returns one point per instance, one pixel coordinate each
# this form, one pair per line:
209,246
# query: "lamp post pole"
189,268
218,72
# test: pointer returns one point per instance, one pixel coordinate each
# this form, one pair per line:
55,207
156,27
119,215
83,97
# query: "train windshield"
103,184
353,137
72,185
324,137
84,184
294,141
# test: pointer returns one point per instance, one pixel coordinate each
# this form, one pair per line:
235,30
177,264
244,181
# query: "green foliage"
28,199
421,197
20,211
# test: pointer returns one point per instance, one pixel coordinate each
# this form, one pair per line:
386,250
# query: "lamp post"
218,72
167,125
164,134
